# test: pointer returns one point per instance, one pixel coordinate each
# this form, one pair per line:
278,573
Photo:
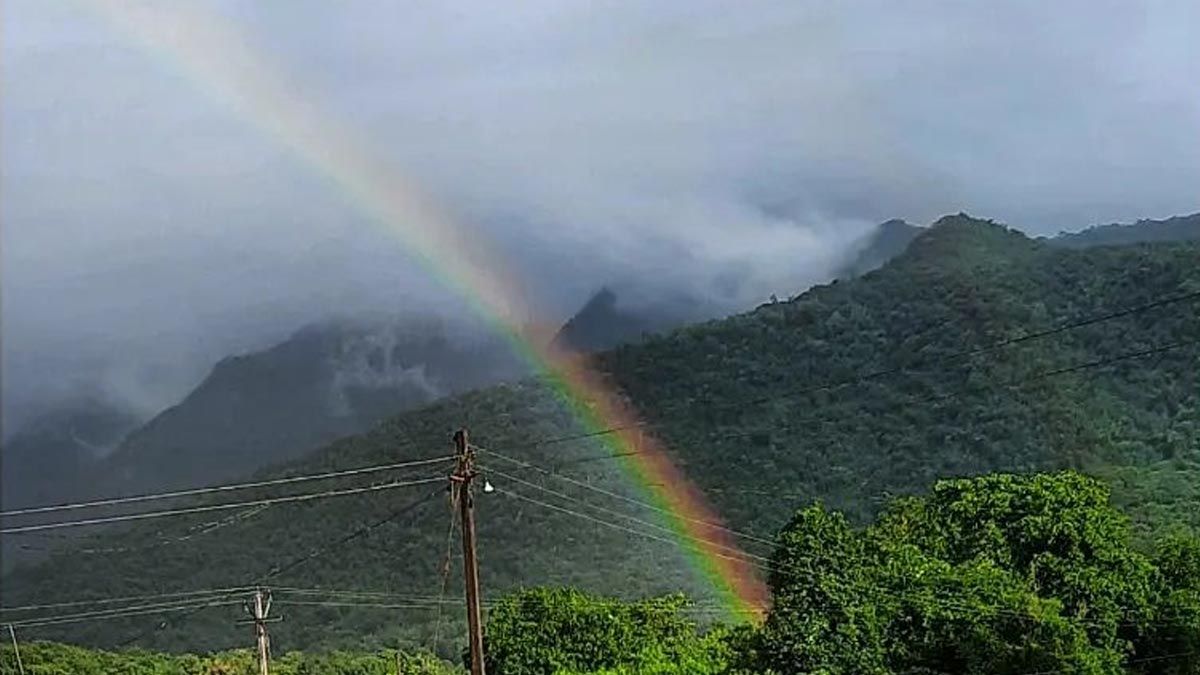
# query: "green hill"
739,401
1176,228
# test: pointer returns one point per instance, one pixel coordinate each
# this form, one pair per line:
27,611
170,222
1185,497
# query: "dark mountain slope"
961,285
605,321
325,382
600,324
741,404
886,241
59,449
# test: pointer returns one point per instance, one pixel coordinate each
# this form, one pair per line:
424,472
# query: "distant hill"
53,454
884,242
325,382
1178,228
891,238
849,392
605,322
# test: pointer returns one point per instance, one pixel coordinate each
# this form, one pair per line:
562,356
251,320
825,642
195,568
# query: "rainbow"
220,60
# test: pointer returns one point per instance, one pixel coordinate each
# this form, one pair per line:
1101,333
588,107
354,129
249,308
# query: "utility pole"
259,608
460,486
16,650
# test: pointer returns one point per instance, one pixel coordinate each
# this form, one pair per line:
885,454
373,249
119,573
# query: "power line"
117,611
221,488
169,541
767,565
341,593
1162,349
120,614
656,526
445,571
601,521
994,346
277,570
1148,659
376,605
128,598
975,351
220,507
631,500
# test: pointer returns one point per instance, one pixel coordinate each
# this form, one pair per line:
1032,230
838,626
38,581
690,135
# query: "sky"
722,150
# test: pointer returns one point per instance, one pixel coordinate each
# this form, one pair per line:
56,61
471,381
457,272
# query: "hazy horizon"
148,229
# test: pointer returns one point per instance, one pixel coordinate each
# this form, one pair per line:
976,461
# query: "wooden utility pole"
16,650
460,484
260,607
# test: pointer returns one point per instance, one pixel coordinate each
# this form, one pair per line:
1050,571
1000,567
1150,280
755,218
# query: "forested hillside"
1176,228
848,393
324,382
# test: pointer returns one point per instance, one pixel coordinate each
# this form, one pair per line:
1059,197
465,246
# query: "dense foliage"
559,631
740,402
1000,574
1177,228
48,658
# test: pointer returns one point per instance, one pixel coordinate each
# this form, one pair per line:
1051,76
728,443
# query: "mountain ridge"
748,405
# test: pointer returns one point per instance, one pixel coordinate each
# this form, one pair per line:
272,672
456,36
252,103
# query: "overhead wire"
219,507
336,603
120,613
445,570
163,541
1130,662
175,494
975,351
993,346
616,495
127,598
1098,363
278,570
624,516
763,564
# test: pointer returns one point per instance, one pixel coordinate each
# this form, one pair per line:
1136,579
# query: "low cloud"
728,152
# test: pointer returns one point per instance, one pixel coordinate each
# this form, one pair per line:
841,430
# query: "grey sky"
148,230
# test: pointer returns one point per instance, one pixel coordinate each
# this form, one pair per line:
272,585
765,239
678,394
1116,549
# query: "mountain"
324,382
886,241
605,322
1177,228
890,239
848,393
60,448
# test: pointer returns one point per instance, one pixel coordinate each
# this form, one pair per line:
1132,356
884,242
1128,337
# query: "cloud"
730,150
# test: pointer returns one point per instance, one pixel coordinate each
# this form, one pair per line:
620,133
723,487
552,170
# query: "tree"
996,574
548,631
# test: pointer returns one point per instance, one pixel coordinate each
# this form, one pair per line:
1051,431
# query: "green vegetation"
1177,228
996,575
738,403
1000,574
561,631
48,658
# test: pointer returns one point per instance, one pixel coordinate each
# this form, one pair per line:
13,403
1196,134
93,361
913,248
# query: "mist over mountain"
57,452
153,228
609,319
774,400
1176,228
326,381
880,245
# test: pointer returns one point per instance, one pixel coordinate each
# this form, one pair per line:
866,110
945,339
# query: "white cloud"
676,142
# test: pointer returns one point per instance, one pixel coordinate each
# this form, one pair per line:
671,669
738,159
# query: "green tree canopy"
997,574
555,631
